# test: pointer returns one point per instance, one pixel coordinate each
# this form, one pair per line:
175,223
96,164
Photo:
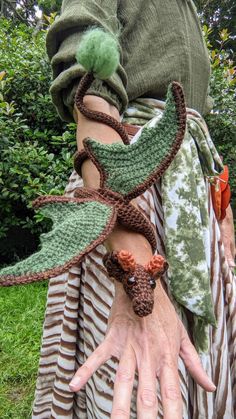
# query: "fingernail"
212,385
75,383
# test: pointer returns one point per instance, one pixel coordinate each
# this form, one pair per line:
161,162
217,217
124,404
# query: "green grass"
21,319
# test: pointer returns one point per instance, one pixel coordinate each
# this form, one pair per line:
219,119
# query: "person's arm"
150,345
120,238
62,42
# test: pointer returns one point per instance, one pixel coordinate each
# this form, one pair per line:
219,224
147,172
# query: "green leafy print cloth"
185,207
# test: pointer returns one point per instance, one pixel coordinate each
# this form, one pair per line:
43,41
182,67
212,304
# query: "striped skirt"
77,310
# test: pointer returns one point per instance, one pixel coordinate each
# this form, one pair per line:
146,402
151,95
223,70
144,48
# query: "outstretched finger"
170,391
124,385
192,361
94,361
147,405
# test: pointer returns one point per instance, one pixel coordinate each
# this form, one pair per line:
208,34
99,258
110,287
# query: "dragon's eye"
152,282
131,281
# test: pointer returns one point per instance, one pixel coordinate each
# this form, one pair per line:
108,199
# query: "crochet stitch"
130,170
84,85
127,214
79,225
138,281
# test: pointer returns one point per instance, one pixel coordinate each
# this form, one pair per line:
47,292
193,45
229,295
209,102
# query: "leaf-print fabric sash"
185,194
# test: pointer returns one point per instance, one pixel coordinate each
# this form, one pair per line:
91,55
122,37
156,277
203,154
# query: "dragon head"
138,281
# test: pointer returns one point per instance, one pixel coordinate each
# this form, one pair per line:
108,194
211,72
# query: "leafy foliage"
49,6
36,158
26,10
222,120
218,15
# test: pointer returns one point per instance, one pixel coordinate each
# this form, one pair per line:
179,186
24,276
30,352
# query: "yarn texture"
77,228
98,53
138,282
131,169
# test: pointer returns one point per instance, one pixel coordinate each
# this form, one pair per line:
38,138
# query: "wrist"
135,243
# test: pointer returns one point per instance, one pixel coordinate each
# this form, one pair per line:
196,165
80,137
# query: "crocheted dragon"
126,171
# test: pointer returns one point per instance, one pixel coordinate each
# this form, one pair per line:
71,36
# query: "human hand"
150,345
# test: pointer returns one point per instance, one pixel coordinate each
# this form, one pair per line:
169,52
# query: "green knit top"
160,41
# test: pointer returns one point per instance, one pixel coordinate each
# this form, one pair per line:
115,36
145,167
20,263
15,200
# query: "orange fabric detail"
224,176
220,192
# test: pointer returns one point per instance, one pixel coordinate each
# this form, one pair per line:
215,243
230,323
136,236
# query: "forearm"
120,238
96,130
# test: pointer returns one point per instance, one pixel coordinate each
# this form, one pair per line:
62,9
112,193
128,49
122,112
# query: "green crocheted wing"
131,169
79,225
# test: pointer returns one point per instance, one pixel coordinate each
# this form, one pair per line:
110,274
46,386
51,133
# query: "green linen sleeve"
62,42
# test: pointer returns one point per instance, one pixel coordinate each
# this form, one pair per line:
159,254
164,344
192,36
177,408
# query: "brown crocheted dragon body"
86,220
126,171
138,281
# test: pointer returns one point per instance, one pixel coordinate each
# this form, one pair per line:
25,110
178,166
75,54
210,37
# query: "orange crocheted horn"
156,264
126,260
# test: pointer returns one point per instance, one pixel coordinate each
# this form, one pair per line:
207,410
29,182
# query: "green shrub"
222,120
36,158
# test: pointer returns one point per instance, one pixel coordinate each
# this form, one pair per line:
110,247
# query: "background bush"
222,120
36,146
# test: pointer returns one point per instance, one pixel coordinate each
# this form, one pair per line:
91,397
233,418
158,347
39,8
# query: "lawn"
21,316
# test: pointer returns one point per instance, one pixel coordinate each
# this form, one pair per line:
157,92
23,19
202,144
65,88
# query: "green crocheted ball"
98,53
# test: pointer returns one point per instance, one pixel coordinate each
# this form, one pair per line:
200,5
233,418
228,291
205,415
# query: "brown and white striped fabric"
77,310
